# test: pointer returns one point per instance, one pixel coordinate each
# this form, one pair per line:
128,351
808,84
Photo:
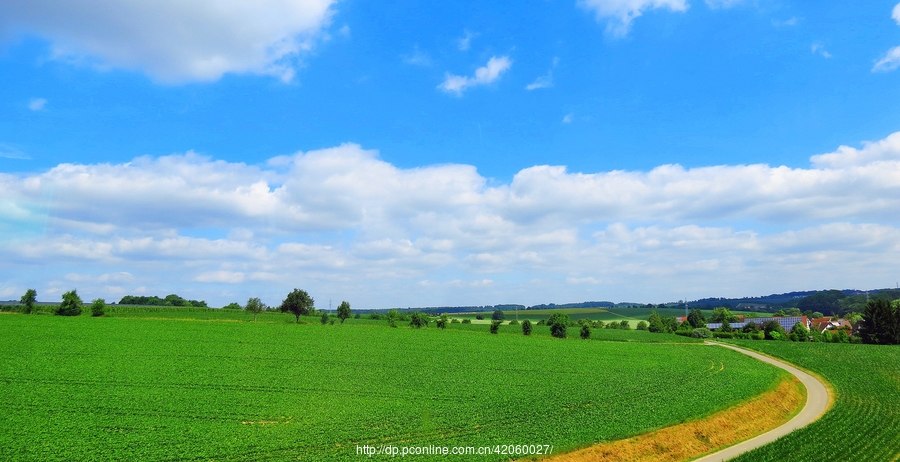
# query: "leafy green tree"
255,306
725,327
773,330
750,327
558,323
298,303
71,304
233,306
655,323
880,322
642,325
418,320
624,325
696,318
794,312
442,321
585,331
495,326
526,327
28,300
817,314
343,311
701,332
723,315
98,307
800,331
671,323
498,315
324,318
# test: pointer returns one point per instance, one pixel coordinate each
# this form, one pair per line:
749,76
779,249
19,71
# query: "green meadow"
188,385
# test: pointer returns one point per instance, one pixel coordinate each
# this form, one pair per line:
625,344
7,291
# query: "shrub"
701,332
558,323
542,322
598,324
612,325
624,325
495,326
526,327
374,316
642,325
479,317
71,304
324,318
467,321
98,307
585,331
442,322
514,323
232,306
723,334
454,321
498,315
418,320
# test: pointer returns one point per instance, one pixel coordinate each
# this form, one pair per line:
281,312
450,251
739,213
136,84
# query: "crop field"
865,421
161,389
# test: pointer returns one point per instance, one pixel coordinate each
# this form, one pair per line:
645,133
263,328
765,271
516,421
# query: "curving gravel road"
817,402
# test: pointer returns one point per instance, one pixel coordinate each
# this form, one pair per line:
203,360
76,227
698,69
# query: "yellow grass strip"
691,439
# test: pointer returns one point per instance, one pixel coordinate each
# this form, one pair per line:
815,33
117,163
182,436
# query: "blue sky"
419,154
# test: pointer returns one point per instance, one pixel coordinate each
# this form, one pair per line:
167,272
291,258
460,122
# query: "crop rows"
147,389
864,423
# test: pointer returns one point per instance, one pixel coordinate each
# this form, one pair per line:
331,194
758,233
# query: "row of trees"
168,300
71,304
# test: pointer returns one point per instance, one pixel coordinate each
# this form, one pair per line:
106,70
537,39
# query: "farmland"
229,389
865,421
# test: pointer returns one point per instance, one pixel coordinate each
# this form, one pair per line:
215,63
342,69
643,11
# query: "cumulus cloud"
175,41
715,4
345,221
896,13
466,42
487,74
819,48
621,13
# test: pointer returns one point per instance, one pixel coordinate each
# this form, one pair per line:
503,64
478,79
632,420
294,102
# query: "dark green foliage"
725,327
495,326
233,306
467,321
558,323
343,311
454,321
598,324
825,302
298,303
98,307
442,321
642,325
655,323
624,325
255,306
374,316
799,332
497,315
418,320
526,327
71,304
324,318
772,330
479,317
357,316
513,323
750,327
881,322
723,315
28,300
542,322
696,319
701,332
585,331
612,325
170,300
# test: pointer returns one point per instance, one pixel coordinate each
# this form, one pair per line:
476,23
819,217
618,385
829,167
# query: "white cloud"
11,152
567,119
37,104
491,71
544,81
895,13
819,48
715,4
889,62
175,41
418,58
464,43
354,226
622,13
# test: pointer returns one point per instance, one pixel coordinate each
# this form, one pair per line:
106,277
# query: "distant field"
138,388
865,421
632,315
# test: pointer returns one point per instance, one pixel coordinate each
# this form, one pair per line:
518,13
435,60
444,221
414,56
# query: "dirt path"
817,402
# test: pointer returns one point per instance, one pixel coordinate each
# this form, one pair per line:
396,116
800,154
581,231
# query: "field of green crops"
138,388
865,421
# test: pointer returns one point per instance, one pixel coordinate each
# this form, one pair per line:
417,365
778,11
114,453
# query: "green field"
865,421
145,388
632,315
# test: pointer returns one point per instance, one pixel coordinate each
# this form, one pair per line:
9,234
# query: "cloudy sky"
425,153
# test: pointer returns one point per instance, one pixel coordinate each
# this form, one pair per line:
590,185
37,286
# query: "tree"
495,326
255,306
29,299
723,315
98,307
696,319
498,315
324,317
773,330
726,327
880,322
298,303
701,332
343,311
585,331
642,325
442,321
526,327
232,306
655,323
624,325
418,320
800,331
558,323
71,304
